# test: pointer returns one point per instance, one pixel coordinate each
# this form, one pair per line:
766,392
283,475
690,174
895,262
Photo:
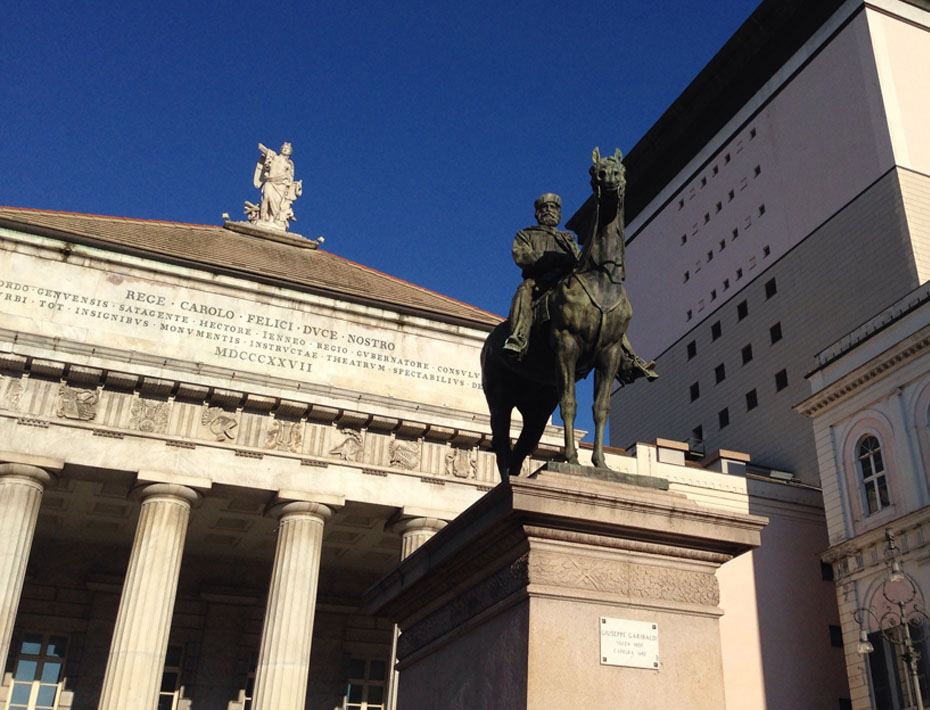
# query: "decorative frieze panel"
77,403
436,454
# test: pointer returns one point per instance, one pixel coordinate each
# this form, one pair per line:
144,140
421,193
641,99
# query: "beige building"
870,406
215,442
781,200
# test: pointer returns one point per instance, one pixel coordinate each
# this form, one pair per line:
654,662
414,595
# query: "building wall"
823,286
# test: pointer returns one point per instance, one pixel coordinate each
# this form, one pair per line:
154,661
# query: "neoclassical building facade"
214,443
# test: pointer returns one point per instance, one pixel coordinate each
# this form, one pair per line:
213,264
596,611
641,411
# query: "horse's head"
607,174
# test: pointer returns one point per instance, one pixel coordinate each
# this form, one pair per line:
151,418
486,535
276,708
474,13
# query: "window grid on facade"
715,330
720,373
723,418
775,333
366,685
872,475
781,380
752,400
694,390
746,352
771,288
766,250
742,310
691,349
38,672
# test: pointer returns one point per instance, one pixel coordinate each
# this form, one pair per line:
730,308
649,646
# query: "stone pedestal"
284,657
140,639
529,600
21,488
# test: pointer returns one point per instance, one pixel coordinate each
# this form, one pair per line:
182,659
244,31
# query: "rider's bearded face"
549,214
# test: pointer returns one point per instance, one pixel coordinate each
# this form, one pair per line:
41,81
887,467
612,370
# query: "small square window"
730,196
691,349
703,181
746,352
757,171
681,203
687,275
775,333
781,380
735,233
726,284
752,400
723,418
766,250
761,210
695,391
718,206
726,158
706,217
698,432
739,274
770,288
752,133
715,331
688,315
742,310
684,238
713,294
716,170
710,255
720,373
723,244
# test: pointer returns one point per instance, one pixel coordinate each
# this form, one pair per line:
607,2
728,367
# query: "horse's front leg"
604,373
567,355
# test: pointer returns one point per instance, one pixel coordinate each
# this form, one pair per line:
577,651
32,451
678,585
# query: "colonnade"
140,636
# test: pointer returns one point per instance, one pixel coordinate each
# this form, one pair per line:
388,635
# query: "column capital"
167,491
417,525
292,508
25,472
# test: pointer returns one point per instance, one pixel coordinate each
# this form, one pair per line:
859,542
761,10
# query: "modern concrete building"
870,408
215,442
780,201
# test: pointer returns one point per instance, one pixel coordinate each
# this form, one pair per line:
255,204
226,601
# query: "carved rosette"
221,424
285,436
76,403
149,417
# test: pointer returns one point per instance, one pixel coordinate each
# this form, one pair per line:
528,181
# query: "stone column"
414,532
140,638
21,488
284,656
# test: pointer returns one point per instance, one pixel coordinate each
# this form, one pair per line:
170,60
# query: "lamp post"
901,618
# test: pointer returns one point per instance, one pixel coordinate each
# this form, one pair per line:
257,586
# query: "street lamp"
902,611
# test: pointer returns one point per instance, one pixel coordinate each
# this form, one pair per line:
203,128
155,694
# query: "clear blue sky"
423,131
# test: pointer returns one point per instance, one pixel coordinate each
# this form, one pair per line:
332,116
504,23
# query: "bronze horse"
589,314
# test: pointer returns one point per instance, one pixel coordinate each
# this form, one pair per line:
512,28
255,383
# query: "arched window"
872,474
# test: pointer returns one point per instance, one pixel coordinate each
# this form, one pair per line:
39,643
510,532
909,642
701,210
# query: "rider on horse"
545,254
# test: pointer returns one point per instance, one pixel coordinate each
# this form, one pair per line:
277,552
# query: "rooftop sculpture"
274,176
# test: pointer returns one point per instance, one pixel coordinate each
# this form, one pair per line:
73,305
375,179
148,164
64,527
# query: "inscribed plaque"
634,644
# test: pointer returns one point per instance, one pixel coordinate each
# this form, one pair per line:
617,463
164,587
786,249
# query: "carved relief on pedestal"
221,424
149,417
461,463
76,403
404,454
351,447
285,436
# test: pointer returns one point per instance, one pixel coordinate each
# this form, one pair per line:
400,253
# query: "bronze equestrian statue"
578,325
